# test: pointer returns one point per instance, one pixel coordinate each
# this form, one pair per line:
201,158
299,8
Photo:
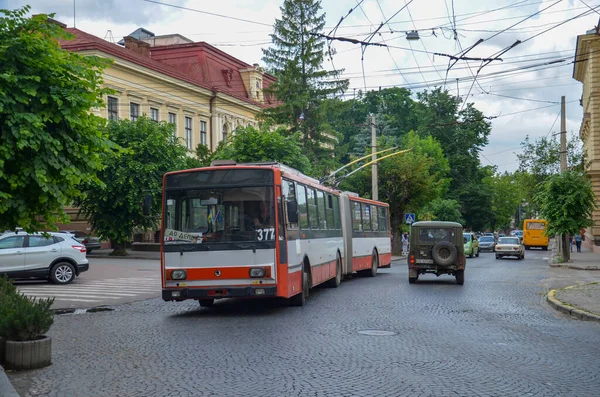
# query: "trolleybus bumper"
176,294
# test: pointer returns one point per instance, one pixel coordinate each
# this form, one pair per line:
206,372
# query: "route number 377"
265,234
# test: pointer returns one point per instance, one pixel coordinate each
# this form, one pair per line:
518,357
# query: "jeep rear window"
436,234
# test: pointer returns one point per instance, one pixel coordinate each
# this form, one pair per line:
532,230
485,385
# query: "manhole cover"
377,332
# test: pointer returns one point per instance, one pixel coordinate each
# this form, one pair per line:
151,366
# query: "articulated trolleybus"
264,230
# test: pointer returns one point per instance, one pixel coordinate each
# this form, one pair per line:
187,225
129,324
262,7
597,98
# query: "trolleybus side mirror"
292,211
146,204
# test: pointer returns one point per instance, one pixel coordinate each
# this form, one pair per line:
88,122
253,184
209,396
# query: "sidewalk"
584,260
580,301
104,253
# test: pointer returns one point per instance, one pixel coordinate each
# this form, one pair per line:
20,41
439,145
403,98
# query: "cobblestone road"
494,336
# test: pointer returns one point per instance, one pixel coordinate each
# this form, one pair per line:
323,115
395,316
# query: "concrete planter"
30,354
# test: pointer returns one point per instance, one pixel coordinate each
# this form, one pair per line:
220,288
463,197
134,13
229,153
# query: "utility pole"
374,157
563,136
564,244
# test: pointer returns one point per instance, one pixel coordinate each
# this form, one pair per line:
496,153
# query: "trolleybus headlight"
257,272
179,275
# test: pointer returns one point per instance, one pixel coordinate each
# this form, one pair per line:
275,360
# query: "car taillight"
411,260
80,248
85,241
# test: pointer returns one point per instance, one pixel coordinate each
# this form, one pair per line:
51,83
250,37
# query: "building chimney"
136,45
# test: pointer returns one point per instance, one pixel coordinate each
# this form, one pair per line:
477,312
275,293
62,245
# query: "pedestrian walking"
578,242
570,243
405,243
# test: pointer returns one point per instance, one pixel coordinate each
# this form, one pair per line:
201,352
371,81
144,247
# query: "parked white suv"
58,257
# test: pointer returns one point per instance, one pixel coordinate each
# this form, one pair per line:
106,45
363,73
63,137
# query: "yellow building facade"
205,92
587,71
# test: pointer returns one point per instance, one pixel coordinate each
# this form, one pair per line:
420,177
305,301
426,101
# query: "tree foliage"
252,145
296,59
147,151
541,157
442,210
566,201
50,143
506,200
407,181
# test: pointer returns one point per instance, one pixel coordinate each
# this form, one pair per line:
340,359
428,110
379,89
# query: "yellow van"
534,233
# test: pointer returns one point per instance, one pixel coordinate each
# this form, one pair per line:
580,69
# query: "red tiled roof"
84,41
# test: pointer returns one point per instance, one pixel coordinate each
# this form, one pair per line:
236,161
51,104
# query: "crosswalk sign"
409,218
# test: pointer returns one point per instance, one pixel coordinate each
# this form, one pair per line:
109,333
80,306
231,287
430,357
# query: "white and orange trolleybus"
264,230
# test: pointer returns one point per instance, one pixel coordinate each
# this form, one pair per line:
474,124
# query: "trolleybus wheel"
337,280
300,299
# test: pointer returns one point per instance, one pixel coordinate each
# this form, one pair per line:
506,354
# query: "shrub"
22,318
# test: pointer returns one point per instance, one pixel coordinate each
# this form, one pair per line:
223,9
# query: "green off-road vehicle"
436,247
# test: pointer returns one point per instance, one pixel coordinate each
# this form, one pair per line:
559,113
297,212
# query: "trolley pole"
375,194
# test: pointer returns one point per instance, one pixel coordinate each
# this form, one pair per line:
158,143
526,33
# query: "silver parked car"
58,257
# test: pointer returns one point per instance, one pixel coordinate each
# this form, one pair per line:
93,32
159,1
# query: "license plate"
428,261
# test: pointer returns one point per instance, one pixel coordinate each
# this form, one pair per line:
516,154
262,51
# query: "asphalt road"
108,282
494,336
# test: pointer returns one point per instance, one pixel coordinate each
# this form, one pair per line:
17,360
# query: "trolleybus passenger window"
321,208
289,191
383,223
311,199
336,212
329,211
374,218
366,217
302,207
356,221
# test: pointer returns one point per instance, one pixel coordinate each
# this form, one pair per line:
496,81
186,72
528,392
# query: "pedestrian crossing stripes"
96,291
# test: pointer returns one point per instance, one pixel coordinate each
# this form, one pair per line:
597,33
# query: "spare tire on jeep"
444,253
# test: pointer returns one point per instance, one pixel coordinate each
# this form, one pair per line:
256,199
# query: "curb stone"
575,267
570,310
6,388
82,311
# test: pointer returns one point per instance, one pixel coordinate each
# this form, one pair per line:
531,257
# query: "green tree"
539,160
506,199
251,145
50,142
566,201
406,181
542,156
462,134
147,151
442,210
296,59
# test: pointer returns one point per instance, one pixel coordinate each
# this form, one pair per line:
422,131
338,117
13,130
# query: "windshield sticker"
176,235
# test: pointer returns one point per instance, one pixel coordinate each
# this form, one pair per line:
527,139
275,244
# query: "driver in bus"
264,217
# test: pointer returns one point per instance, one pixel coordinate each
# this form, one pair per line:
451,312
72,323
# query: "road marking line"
69,295
33,292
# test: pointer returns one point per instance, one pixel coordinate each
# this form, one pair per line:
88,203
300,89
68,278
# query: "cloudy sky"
509,89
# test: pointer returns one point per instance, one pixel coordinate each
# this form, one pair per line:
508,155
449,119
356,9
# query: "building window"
113,108
188,133
173,120
134,111
154,114
225,132
203,133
